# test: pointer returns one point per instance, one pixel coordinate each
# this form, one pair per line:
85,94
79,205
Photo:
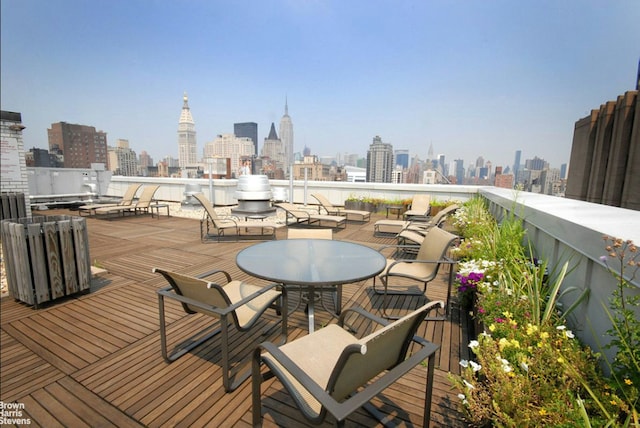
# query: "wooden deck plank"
101,363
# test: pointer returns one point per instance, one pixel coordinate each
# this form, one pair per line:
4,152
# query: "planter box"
363,206
46,257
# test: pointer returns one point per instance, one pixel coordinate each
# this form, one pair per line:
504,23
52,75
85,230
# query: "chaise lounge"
351,215
300,217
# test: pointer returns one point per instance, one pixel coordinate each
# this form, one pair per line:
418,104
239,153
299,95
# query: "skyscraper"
379,161
273,148
248,130
80,145
459,171
516,165
402,158
286,136
187,154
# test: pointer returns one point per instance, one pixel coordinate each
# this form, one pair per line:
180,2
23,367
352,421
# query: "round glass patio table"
311,263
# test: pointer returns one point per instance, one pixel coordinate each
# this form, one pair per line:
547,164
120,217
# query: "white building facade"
187,153
231,147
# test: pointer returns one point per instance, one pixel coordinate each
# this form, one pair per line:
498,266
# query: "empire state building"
286,136
186,136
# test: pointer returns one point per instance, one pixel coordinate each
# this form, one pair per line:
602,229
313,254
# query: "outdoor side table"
156,208
397,209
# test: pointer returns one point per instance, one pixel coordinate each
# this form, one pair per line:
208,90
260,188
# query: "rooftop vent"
253,195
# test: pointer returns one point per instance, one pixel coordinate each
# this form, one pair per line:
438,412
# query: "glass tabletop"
310,261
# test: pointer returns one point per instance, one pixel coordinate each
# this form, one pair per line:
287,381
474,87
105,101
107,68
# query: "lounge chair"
423,269
351,215
388,228
332,371
415,235
419,208
300,217
140,206
236,303
214,226
127,200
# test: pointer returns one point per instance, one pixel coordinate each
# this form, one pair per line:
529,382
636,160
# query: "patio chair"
293,233
140,206
423,269
127,200
300,217
332,371
419,209
414,235
214,226
351,215
236,303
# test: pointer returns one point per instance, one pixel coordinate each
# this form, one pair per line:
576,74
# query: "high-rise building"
273,149
536,164
80,145
379,161
123,160
144,159
563,171
187,153
402,158
232,147
247,130
516,165
286,136
459,171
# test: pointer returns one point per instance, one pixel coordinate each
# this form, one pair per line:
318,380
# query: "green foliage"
625,330
529,370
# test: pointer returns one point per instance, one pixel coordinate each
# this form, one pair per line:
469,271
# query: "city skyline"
470,79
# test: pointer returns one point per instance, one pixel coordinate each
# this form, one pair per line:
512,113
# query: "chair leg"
163,337
256,382
428,395
230,382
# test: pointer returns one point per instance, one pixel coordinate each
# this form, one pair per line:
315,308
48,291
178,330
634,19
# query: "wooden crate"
12,205
46,257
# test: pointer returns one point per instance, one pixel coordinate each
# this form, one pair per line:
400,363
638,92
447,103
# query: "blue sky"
472,78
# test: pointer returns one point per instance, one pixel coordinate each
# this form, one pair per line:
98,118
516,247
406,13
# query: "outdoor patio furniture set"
333,370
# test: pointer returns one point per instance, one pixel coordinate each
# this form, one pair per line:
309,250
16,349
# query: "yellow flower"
492,327
542,412
544,335
502,343
613,402
515,343
507,314
531,329
628,382
560,360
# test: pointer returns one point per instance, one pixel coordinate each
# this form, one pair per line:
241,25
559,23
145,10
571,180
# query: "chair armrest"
250,297
212,272
362,312
169,293
441,261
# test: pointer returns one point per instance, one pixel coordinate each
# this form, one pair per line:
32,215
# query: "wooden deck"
94,359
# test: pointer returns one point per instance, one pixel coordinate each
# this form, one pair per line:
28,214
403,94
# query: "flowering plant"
473,275
527,368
